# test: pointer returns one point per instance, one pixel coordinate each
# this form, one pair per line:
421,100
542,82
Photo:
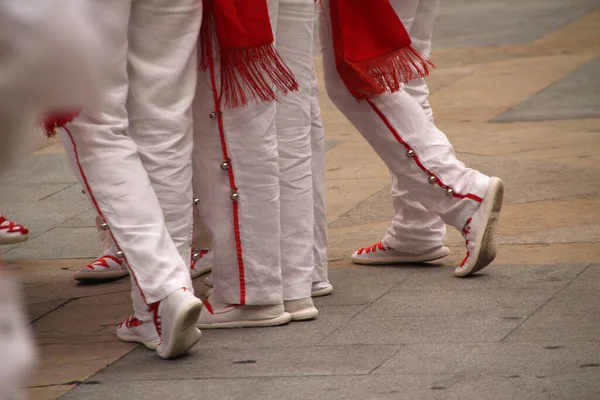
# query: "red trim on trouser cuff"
438,181
208,306
97,207
232,185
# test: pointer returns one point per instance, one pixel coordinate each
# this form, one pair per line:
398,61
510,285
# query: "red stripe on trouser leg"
415,157
232,185
95,203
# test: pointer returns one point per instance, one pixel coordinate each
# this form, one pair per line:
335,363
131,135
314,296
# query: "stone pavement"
516,90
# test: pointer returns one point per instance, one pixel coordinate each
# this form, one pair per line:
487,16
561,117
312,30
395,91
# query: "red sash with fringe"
372,49
251,70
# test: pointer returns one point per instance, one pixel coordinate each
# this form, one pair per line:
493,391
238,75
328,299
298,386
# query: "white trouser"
294,41
134,153
262,235
35,78
395,123
317,141
414,229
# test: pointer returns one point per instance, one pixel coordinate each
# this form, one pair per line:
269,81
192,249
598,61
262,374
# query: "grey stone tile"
37,310
86,219
378,207
502,359
576,234
251,362
510,304
291,335
581,386
465,23
495,278
297,388
367,328
41,216
59,243
573,97
43,169
574,313
10,194
360,285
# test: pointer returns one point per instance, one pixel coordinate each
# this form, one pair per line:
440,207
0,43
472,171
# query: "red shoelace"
131,322
376,246
102,262
11,227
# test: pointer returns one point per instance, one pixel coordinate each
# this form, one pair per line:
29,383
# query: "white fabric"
414,229
317,141
408,120
269,148
34,77
248,272
294,42
136,149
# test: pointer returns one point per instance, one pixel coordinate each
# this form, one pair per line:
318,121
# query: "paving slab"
493,22
531,359
142,364
400,387
583,385
573,97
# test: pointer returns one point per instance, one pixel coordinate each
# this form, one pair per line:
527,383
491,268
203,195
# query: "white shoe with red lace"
221,315
378,254
138,331
11,233
105,267
175,319
480,231
201,263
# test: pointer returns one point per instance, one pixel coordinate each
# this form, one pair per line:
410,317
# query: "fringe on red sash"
367,78
248,75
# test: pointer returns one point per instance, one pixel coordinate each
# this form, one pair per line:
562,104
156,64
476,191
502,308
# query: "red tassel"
57,120
248,76
365,79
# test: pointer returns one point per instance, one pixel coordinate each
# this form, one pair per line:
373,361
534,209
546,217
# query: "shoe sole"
14,239
304,315
184,333
279,320
137,339
486,252
99,276
421,258
322,292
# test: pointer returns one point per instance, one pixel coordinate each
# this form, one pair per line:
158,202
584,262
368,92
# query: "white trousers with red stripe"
253,175
134,152
414,229
416,152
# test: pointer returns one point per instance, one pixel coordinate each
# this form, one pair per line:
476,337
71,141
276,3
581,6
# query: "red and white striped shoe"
201,263
11,233
138,331
105,267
